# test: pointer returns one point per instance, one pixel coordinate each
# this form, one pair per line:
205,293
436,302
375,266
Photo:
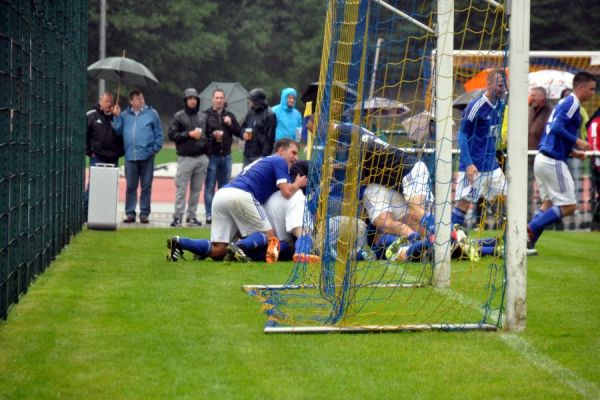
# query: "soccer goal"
385,125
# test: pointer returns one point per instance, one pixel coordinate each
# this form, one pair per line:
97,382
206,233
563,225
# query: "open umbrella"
122,70
462,101
380,103
310,94
418,126
235,95
552,80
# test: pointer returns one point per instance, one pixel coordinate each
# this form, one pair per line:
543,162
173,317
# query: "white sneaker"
531,252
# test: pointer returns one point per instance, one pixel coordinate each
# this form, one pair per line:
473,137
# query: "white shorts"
233,211
488,185
554,180
285,214
378,198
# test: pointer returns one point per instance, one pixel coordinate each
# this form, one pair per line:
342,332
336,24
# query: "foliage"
112,319
193,42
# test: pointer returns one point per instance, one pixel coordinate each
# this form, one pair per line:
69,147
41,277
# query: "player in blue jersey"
559,140
237,208
479,174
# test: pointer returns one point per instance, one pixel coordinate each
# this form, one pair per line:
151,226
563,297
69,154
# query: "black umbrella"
310,94
122,70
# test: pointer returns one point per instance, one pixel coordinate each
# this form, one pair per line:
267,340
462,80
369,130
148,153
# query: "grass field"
112,319
168,154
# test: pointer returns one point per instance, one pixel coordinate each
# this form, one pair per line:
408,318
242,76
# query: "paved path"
163,198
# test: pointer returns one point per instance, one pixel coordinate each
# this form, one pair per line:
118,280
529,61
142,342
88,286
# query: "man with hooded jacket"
258,127
186,130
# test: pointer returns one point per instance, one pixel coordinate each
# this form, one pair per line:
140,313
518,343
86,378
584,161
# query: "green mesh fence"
43,52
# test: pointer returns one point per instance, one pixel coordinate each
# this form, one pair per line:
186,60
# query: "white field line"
526,349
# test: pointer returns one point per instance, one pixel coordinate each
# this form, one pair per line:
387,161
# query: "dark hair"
134,92
582,78
283,144
217,90
565,92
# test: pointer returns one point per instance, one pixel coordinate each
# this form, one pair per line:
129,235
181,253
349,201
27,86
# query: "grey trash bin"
104,196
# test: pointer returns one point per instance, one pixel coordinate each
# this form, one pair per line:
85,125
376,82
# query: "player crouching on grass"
237,208
287,216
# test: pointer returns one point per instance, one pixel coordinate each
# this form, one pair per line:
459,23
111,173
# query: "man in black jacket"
102,145
186,130
221,126
258,127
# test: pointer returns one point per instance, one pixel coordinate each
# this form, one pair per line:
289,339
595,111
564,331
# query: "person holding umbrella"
102,145
142,135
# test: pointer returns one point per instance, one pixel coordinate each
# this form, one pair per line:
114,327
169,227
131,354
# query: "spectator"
593,130
221,126
237,208
289,119
186,130
479,172
142,135
102,145
539,111
258,127
558,142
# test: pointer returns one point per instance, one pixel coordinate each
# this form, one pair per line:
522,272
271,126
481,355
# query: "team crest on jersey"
98,121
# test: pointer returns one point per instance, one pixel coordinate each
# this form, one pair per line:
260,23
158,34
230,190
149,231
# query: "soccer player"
559,140
237,208
479,173
286,216
397,193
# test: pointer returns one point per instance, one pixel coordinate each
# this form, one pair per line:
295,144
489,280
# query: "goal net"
374,189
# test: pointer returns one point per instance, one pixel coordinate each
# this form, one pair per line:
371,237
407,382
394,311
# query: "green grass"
168,154
112,319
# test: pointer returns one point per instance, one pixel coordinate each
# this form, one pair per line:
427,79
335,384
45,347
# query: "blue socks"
428,221
413,237
537,214
285,251
252,241
304,244
458,216
385,240
548,217
200,247
415,249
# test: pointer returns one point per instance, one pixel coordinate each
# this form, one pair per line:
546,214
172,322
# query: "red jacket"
593,134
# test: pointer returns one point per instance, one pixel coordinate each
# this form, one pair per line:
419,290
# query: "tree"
193,42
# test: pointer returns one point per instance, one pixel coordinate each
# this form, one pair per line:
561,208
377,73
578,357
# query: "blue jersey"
478,134
262,177
562,128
